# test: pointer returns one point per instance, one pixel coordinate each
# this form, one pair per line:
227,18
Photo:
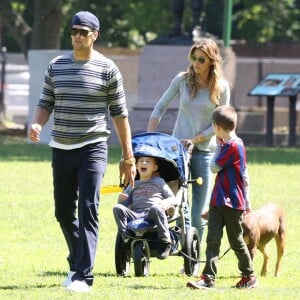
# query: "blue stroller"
143,243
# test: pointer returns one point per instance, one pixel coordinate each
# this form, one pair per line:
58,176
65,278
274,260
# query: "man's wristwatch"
131,161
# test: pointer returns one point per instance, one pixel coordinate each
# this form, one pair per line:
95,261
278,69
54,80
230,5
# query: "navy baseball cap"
86,18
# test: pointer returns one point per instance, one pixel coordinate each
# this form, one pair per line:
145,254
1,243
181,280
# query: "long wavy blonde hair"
211,49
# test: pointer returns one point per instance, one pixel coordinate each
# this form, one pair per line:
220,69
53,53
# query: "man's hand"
34,132
127,173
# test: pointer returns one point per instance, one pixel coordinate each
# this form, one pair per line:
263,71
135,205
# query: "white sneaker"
79,287
68,280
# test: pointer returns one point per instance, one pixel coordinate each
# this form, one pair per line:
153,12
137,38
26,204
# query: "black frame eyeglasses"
200,60
82,32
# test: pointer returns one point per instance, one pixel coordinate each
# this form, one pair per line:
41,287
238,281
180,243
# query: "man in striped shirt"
229,201
82,89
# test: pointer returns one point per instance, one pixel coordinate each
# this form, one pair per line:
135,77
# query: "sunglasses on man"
82,32
200,60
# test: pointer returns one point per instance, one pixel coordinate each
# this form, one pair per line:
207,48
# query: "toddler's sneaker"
68,280
203,283
247,282
163,249
79,286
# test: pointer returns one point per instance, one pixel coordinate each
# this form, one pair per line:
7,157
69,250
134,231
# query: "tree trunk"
47,23
45,33
15,24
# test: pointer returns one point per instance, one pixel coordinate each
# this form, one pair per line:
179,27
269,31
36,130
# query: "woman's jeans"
200,167
77,176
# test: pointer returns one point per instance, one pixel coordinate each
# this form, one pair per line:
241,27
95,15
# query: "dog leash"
180,251
201,261
225,253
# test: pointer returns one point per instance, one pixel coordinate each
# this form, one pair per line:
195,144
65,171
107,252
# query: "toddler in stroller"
150,199
145,213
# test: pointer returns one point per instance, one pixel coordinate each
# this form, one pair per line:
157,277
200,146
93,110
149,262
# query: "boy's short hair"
225,116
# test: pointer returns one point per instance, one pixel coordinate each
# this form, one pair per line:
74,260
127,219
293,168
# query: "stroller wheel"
122,256
141,259
192,251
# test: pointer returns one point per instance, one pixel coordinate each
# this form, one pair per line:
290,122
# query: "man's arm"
124,134
40,118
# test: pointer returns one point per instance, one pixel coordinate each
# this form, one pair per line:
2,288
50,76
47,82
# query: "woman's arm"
163,103
225,95
152,124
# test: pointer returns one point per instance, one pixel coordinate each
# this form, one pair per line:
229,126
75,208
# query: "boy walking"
229,201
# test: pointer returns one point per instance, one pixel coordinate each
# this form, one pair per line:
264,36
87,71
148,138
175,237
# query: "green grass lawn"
33,252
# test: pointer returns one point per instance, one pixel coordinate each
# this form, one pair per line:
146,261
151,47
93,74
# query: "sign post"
283,85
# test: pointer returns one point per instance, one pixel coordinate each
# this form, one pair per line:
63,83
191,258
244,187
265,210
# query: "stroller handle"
198,180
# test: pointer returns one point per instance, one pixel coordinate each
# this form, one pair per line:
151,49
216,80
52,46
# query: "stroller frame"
142,245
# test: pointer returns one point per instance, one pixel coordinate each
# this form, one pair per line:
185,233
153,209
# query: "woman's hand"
195,140
186,142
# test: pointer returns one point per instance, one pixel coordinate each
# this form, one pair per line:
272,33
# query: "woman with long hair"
201,88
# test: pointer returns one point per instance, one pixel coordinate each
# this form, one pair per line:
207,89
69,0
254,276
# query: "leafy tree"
41,24
33,24
38,24
264,21
12,20
126,23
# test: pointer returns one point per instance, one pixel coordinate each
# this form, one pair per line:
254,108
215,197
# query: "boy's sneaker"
247,282
68,280
182,270
203,283
79,286
163,250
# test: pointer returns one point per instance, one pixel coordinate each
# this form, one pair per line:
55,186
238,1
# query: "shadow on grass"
263,155
60,273
27,287
18,149
49,274
25,152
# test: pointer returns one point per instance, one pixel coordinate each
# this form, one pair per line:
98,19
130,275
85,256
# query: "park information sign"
277,84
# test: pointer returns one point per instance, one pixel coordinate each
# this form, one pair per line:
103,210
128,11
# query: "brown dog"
261,226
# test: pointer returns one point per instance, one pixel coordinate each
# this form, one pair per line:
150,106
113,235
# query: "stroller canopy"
169,151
